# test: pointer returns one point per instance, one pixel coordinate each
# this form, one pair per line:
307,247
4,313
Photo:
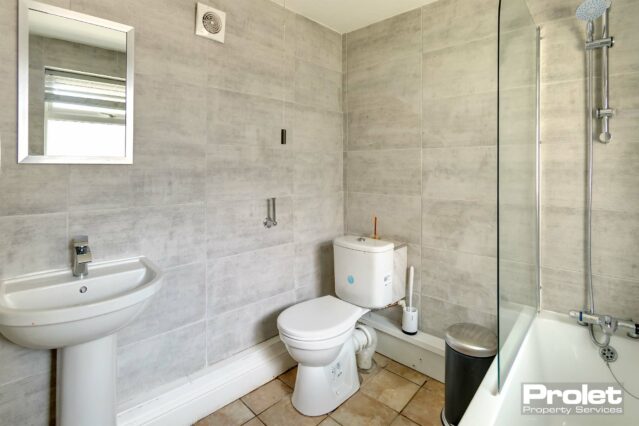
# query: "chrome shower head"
590,10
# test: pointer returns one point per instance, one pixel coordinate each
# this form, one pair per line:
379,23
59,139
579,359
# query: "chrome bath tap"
81,255
608,324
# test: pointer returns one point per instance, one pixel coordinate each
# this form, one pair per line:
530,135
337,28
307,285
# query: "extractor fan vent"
210,23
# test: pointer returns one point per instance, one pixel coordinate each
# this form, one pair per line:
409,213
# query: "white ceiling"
345,16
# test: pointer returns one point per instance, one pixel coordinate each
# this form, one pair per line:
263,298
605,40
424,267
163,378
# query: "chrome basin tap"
81,255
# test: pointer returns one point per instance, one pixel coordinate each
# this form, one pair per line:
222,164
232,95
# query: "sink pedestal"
86,383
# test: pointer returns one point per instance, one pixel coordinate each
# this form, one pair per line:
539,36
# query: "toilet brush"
409,318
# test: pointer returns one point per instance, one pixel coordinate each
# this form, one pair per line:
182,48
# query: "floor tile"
390,389
362,410
380,359
234,414
393,384
426,405
403,421
367,376
264,397
289,377
284,414
435,386
406,372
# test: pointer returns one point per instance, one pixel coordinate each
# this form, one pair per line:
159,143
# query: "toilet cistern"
81,255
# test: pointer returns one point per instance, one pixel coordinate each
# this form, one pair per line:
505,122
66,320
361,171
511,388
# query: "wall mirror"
75,97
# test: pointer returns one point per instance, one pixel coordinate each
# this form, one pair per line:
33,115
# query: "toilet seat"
319,320
316,345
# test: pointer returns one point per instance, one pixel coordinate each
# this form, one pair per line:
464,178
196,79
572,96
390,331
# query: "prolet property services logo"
571,399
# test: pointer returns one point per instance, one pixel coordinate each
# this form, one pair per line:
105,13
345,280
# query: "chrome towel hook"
271,217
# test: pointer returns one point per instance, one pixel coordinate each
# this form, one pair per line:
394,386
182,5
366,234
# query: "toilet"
323,334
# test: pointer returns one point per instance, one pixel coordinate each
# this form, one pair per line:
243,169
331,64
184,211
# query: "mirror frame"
23,86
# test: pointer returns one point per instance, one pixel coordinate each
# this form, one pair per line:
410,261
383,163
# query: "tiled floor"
390,394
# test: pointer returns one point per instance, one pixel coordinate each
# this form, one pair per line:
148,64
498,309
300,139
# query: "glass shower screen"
517,179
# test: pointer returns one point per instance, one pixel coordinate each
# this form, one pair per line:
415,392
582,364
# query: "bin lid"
472,340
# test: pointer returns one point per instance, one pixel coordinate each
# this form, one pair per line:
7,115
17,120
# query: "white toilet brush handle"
411,278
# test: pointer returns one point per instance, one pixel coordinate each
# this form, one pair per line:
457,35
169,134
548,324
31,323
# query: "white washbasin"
55,309
79,317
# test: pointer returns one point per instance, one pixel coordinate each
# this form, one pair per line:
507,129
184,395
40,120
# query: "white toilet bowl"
323,335
319,335
316,353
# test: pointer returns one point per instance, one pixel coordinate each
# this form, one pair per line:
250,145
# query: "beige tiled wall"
420,118
419,151
615,242
207,154
450,222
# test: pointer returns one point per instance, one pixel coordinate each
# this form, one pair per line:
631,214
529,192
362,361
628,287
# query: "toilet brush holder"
410,320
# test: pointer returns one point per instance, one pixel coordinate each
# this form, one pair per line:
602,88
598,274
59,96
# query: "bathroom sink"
56,309
79,316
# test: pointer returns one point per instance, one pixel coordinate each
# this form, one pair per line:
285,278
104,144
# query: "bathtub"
556,350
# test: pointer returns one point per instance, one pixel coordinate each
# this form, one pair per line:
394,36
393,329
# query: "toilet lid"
319,319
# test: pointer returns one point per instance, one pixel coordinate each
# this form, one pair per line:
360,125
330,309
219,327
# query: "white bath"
556,350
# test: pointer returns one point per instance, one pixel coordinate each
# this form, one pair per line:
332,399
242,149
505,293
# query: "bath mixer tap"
81,255
608,324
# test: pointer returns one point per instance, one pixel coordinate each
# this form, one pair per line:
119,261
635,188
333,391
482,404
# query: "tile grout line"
345,130
408,380
250,420
332,418
206,239
164,333
450,250
563,269
285,384
386,195
415,394
438,299
385,150
294,196
249,408
399,413
30,376
272,405
411,400
421,163
329,415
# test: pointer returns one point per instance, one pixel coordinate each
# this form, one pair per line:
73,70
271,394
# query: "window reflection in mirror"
84,114
77,88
